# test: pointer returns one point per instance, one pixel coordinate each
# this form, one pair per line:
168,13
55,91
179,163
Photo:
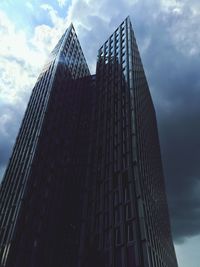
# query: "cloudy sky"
168,35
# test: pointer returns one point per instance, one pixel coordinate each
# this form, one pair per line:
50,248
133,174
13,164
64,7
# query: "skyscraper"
84,185
126,214
44,162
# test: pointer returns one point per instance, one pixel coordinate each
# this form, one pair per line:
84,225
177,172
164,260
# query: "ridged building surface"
84,185
32,192
126,213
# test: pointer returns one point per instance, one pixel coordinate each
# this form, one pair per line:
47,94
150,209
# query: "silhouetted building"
84,185
41,190
126,213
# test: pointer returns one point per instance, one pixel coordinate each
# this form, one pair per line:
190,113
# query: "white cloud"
22,57
57,21
62,3
172,5
188,254
183,19
20,61
185,32
29,5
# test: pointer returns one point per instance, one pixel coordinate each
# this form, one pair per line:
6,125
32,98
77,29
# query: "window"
115,180
124,65
106,220
128,211
106,186
106,202
118,257
126,194
125,178
107,239
117,47
35,243
116,198
131,256
118,238
117,37
130,235
117,214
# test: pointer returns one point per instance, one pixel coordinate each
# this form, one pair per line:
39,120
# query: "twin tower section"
84,185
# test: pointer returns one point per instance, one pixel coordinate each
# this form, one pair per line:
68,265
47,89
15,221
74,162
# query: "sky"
168,36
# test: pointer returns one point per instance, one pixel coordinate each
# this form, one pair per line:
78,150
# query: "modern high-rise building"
84,185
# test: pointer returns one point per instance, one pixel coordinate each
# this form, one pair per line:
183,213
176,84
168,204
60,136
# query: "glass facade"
84,185
126,215
44,153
